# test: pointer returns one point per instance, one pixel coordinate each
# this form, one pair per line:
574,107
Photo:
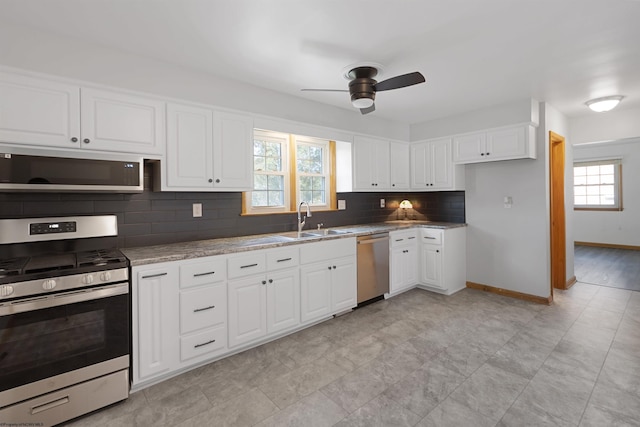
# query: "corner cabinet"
508,143
49,113
443,260
207,150
432,168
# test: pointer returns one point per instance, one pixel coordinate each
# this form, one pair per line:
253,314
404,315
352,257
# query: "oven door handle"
64,298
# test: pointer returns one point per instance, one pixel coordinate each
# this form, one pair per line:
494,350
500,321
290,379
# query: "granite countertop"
201,248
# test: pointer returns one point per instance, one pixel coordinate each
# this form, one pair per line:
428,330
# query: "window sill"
284,212
599,209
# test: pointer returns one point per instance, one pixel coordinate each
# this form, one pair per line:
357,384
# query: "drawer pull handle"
399,240
204,343
248,265
427,237
204,274
154,275
195,310
284,259
411,238
49,405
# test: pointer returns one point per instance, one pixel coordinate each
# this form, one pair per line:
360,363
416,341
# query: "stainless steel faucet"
302,220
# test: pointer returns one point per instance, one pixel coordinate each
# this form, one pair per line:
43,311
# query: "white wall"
556,122
620,228
33,50
610,126
523,111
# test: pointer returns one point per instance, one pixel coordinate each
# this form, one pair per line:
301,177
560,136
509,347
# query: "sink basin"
326,232
266,240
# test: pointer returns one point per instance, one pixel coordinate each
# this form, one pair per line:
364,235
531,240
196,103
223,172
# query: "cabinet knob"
329,267
210,180
488,154
218,181
86,140
482,154
334,267
372,184
270,280
264,282
393,185
74,139
437,250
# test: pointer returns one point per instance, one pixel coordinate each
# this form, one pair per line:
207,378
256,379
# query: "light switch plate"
342,205
197,210
382,203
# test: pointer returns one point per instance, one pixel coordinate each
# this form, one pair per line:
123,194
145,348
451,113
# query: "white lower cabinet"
155,325
403,265
247,309
328,278
443,260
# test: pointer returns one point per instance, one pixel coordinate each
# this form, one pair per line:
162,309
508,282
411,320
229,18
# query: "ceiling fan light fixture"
362,102
607,103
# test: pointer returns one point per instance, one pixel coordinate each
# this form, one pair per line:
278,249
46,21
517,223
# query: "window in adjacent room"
288,169
597,185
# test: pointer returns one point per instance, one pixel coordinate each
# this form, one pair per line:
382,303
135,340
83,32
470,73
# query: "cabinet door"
396,273
155,322
410,265
39,112
344,286
315,291
382,165
189,146
399,172
420,166
363,173
283,300
469,148
232,151
113,121
506,144
441,164
246,308
432,265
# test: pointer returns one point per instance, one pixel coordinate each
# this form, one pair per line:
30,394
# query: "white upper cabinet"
207,150
113,121
232,151
371,164
39,112
189,160
515,142
399,165
432,168
48,113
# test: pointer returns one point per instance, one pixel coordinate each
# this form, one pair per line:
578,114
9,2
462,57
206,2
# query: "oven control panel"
52,227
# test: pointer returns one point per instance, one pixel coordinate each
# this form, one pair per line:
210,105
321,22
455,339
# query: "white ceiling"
474,53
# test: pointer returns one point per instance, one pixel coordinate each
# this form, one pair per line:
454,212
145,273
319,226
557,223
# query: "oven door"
45,337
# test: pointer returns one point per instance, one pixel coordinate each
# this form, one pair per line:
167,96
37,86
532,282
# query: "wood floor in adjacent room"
617,268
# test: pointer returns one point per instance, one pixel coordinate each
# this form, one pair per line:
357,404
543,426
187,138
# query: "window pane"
579,171
258,163
593,179
259,182
276,198
258,148
273,149
259,198
580,200
318,183
593,200
593,190
580,191
275,182
302,151
306,196
273,164
593,170
305,183
318,198
579,180
607,179
607,200
607,190
606,169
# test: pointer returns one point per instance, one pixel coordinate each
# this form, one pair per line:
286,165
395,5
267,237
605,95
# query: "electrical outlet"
382,203
197,210
508,202
342,205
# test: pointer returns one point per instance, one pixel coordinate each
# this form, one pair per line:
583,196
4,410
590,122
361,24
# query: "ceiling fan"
363,87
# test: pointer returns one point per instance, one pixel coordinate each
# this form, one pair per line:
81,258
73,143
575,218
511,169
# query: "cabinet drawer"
401,238
432,236
245,265
315,252
205,342
283,258
202,272
202,308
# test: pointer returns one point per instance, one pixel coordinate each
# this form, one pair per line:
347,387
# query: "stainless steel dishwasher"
373,266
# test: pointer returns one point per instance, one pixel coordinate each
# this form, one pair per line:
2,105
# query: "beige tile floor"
422,359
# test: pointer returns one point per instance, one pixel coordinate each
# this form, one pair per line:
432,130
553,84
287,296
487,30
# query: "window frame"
617,165
292,194
327,170
282,139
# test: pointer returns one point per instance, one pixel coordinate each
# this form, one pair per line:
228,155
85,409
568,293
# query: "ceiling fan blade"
400,81
324,90
368,109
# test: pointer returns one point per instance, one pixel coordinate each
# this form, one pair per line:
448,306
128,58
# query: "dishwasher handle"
373,239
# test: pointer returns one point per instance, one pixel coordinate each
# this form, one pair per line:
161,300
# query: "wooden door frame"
558,247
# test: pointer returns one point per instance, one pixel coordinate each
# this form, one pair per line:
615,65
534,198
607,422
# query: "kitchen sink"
326,232
266,240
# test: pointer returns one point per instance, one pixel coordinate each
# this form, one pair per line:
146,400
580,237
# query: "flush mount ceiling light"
600,105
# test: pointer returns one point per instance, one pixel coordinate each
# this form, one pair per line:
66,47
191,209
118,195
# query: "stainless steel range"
64,318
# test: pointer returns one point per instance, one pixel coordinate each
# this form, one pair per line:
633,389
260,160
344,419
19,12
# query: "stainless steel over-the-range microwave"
47,170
